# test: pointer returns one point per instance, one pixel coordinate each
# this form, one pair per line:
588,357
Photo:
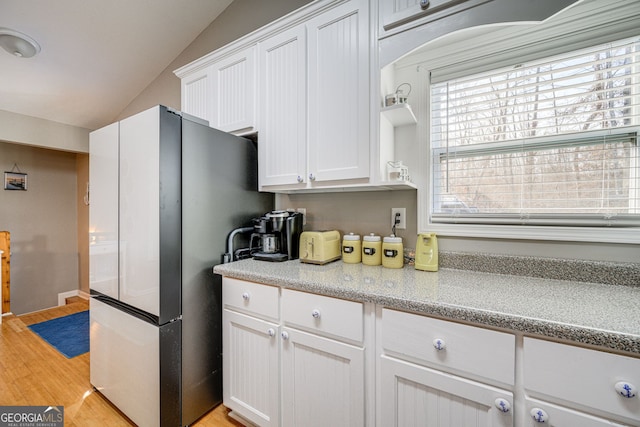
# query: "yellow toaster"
319,247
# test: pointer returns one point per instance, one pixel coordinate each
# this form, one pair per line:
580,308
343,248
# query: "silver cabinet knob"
284,335
300,179
246,296
315,313
271,332
312,177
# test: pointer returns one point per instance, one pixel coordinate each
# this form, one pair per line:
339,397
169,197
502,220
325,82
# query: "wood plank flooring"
34,373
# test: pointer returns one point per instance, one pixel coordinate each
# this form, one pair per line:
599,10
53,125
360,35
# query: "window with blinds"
552,142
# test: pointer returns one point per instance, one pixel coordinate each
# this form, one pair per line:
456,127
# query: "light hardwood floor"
34,373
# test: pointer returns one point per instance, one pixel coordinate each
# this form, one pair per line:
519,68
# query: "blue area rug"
69,334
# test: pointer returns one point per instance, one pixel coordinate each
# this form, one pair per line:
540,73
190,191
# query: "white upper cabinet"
221,89
233,92
339,93
314,102
302,82
282,103
196,93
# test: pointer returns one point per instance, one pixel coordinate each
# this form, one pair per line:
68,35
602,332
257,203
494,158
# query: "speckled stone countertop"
602,315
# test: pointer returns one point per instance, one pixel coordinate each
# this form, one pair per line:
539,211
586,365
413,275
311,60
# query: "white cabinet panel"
323,315
250,368
413,395
196,94
338,55
323,381
557,416
233,92
253,298
282,105
581,377
103,210
468,350
140,198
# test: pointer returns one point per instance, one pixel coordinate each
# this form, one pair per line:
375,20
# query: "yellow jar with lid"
371,250
351,248
392,252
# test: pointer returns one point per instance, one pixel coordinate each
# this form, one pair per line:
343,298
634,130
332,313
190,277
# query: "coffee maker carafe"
278,233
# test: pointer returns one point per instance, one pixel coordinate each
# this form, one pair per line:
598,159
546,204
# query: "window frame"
603,234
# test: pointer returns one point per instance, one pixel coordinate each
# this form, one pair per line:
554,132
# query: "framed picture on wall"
15,181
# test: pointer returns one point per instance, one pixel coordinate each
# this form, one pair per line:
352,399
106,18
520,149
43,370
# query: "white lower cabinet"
251,351
293,358
430,373
548,414
414,395
322,381
592,387
251,368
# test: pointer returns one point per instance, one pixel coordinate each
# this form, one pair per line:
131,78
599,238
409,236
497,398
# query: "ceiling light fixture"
18,44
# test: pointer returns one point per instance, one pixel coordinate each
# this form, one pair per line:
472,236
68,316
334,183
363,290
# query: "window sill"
629,235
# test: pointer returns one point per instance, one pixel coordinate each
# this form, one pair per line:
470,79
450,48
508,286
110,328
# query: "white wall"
36,132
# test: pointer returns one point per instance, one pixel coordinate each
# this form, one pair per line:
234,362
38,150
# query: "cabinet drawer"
586,378
536,410
326,315
450,346
254,298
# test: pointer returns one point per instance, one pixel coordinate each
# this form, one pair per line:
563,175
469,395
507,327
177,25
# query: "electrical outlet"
402,224
303,211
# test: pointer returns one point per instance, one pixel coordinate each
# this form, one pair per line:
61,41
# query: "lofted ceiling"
97,55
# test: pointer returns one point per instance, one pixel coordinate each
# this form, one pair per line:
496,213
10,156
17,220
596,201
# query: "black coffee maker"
276,236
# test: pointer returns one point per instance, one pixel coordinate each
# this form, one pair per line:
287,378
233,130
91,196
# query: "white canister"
371,250
351,248
392,252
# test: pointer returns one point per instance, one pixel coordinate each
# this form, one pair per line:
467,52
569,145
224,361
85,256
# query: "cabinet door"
582,378
339,93
282,100
543,413
233,92
103,210
412,395
323,381
250,368
196,94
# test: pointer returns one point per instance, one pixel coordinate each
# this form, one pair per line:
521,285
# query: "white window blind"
553,142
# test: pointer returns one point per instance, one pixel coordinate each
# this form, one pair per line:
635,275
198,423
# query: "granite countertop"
601,315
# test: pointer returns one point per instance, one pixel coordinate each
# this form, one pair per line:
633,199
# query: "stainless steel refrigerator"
165,191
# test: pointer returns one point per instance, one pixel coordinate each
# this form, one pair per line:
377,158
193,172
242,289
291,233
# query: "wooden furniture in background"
5,246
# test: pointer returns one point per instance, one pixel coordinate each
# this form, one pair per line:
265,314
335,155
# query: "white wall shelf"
400,115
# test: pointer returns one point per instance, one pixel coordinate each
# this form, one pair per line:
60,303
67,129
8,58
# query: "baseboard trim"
64,295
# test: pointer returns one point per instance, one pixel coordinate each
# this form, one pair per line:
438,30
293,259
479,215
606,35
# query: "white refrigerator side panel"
103,210
124,362
139,211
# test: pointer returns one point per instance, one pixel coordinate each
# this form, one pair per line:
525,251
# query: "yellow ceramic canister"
371,250
392,252
351,248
